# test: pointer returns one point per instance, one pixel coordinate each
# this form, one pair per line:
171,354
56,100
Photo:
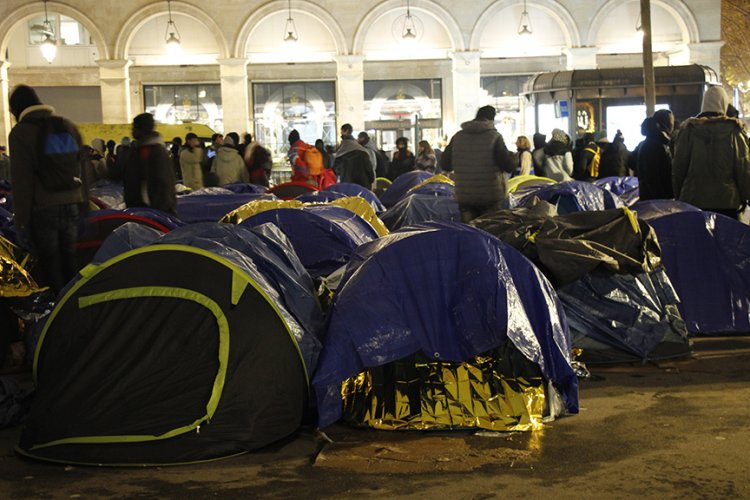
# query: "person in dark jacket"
538,153
403,160
654,163
149,176
45,219
586,154
711,164
354,166
478,157
614,161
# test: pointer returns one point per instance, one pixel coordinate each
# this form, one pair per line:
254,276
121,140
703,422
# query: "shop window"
200,103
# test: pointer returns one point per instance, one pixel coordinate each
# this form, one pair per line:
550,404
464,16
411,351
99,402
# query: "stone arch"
322,15
19,15
428,7
681,13
551,7
140,17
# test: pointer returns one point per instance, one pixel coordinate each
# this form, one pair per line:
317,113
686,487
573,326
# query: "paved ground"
675,430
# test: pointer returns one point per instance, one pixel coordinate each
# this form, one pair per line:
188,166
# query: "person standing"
558,160
525,160
378,162
587,164
654,162
478,157
711,164
48,192
425,157
228,165
190,162
149,177
296,155
540,140
4,165
403,160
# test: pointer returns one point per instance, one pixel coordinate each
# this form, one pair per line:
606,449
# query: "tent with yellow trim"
192,348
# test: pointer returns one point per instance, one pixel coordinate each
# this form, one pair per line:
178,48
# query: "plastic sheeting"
212,207
437,185
110,194
620,317
319,197
527,181
419,208
653,209
264,253
245,187
323,236
403,183
401,295
15,279
351,189
626,188
566,247
568,197
707,258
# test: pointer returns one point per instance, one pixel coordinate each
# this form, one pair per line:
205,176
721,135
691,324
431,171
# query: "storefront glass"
185,104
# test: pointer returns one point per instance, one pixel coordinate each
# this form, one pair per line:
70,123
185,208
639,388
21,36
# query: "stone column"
4,108
350,91
235,99
466,89
707,54
114,77
580,58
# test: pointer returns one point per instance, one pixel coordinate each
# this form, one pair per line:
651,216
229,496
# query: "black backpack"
59,165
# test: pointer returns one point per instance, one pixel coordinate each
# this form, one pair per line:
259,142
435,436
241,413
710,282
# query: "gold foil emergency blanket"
15,280
419,394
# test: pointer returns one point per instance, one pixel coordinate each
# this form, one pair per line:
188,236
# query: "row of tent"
187,339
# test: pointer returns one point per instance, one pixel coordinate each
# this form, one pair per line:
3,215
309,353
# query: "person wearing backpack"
587,166
48,189
297,160
149,180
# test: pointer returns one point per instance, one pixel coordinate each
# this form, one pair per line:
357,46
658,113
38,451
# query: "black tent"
170,354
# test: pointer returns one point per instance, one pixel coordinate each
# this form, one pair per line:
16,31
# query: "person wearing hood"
191,156
379,163
478,157
228,165
148,180
46,214
558,160
711,164
352,162
537,155
97,159
654,164
403,160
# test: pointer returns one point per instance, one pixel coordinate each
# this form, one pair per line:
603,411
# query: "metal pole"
649,80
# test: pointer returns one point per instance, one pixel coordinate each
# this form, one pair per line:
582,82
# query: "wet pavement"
668,430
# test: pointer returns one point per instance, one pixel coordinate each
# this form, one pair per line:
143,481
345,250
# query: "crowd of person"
705,161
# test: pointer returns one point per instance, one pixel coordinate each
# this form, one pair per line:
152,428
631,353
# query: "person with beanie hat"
711,164
479,159
46,218
149,180
558,160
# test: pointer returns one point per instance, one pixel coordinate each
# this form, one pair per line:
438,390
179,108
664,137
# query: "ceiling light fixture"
524,26
172,34
290,30
49,45
409,30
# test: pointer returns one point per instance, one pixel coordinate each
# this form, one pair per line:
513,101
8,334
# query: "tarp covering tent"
437,185
401,295
653,209
626,188
173,353
212,207
568,197
520,182
351,189
418,208
401,185
707,258
323,236
15,278
245,187
606,268
108,195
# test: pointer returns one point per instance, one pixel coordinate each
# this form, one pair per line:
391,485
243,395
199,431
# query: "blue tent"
245,187
323,236
351,189
707,257
446,290
568,197
402,185
418,208
212,207
109,193
626,188
653,209
319,197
